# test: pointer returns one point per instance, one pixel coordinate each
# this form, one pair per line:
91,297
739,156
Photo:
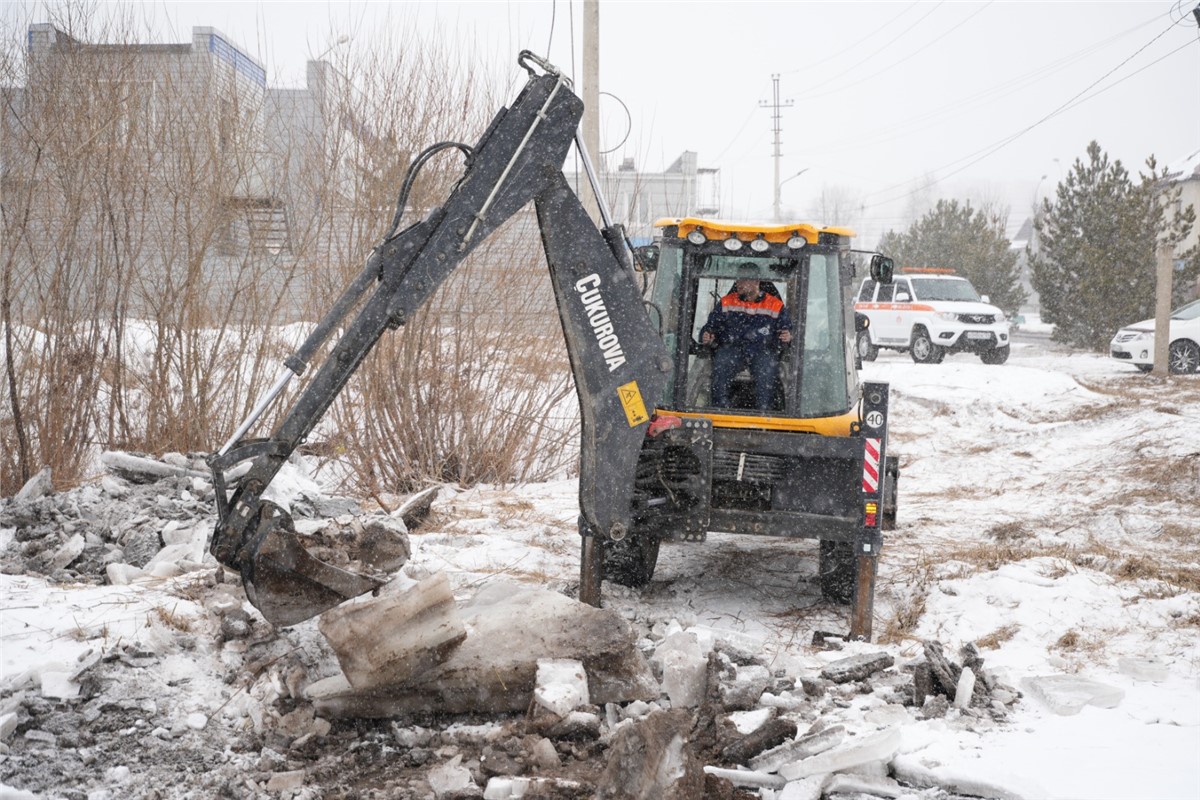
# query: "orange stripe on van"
892,307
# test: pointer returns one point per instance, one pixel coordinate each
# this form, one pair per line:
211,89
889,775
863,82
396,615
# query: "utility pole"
1165,259
777,126
591,94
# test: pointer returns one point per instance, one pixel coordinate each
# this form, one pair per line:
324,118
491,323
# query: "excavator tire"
836,572
631,561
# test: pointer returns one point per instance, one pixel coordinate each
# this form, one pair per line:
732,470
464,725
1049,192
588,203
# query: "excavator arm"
619,363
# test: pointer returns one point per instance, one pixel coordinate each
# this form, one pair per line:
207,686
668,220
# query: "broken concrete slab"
770,734
651,760
856,668
494,668
1066,695
386,640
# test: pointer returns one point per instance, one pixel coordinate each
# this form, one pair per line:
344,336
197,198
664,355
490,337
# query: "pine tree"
969,241
1094,267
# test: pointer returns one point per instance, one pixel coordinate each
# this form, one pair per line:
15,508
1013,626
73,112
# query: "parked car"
1134,344
930,313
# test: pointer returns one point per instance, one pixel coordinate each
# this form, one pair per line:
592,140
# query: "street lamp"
341,40
779,186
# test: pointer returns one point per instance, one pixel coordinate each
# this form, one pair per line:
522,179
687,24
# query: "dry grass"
1187,621
169,618
1012,531
993,640
1079,649
1180,533
909,605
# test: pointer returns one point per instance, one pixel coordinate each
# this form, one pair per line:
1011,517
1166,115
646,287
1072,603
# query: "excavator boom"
617,358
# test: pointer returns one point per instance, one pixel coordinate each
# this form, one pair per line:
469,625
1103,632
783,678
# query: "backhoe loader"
656,462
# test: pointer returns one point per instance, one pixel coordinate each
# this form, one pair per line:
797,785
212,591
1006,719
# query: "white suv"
930,313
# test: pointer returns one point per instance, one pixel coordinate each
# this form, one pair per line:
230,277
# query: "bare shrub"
476,387
118,326
143,309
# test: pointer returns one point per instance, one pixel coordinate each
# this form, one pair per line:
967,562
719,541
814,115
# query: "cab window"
885,293
867,291
823,372
664,301
717,277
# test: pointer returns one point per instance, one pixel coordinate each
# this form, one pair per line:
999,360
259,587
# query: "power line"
913,54
961,106
886,45
979,155
853,46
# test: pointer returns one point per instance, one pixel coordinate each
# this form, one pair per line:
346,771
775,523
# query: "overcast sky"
979,99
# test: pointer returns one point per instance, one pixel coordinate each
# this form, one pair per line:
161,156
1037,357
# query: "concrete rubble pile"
505,692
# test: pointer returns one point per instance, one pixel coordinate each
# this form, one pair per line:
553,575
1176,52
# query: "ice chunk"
39,485
684,669
746,689
966,685
449,777
810,788
561,685
844,783
804,747
1065,695
745,777
1143,669
749,721
910,770
71,550
58,685
876,747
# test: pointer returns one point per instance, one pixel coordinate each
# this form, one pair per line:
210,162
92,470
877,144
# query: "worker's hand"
785,336
706,337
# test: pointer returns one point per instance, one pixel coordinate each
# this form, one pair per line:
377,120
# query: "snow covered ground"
1047,513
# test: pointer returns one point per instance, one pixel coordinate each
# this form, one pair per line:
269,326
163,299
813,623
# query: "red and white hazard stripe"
871,466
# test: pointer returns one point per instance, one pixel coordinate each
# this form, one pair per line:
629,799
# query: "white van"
930,313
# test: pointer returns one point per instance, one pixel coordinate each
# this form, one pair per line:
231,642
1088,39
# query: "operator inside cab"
748,328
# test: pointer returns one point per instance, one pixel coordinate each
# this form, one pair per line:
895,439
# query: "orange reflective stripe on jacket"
767,305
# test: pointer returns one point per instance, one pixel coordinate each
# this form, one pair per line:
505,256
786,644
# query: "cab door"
886,321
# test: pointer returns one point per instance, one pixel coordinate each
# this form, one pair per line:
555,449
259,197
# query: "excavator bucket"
284,582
